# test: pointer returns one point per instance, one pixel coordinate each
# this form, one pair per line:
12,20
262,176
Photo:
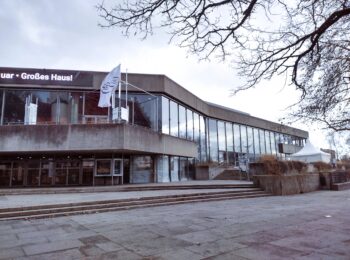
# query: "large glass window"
174,119
5,173
196,131
143,110
203,140
183,169
165,116
93,113
256,141
75,111
182,122
163,169
229,143
222,141
237,138
213,140
14,106
174,168
262,141
244,139
250,138
273,143
142,169
189,116
267,142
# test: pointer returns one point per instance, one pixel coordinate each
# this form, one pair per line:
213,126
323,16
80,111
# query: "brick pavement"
307,226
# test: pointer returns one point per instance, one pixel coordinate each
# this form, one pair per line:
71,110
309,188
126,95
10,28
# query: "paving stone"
93,240
91,250
225,256
70,254
121,254
267,252
201,236
156,246
22,242
109,246
215,248
51,247
178,254
11,252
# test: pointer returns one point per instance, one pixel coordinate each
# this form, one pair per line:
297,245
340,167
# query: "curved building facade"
54,134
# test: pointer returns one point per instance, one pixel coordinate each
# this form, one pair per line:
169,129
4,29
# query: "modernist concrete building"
52,133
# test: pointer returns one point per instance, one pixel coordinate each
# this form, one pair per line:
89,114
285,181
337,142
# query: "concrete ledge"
340,186
288,184
16,139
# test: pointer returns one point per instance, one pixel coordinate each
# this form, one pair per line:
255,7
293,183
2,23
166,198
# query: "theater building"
52,133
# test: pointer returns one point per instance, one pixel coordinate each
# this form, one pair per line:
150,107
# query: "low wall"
202,172
288,184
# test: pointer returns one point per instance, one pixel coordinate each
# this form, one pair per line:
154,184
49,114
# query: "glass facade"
217,141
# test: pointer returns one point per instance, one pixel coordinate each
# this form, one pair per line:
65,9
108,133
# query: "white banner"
109,84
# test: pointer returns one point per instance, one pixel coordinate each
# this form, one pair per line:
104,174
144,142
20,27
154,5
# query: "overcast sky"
64,34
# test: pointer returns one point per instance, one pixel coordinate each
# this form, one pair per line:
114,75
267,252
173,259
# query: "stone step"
121,188
87,203
102,206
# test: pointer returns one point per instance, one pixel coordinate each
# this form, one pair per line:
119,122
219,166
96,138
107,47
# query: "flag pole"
119,97
126,89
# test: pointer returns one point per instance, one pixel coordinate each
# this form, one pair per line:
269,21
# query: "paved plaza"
307,226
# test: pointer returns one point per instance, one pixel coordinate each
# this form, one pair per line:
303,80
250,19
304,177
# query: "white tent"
310,153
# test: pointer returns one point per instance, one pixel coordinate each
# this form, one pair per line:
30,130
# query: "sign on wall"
45,77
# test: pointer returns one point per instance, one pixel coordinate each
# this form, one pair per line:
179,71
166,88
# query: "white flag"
108,85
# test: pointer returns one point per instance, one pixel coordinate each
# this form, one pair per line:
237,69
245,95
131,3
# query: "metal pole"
126,89
2,108
119,97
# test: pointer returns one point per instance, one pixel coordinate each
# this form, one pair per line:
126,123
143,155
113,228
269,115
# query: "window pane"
142,169
174,168
267,142
273,143
143,110
183,170
250,142
213,140
229,143
222,141
203,140
196,132
174,119
165,115
14,106
244,139
189,118
182,122
5,172
262,141
237,138
75,111
256,141
163,169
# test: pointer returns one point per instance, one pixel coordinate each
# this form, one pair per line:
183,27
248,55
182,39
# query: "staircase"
56,210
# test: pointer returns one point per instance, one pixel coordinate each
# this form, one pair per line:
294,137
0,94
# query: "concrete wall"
288,184
97,138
